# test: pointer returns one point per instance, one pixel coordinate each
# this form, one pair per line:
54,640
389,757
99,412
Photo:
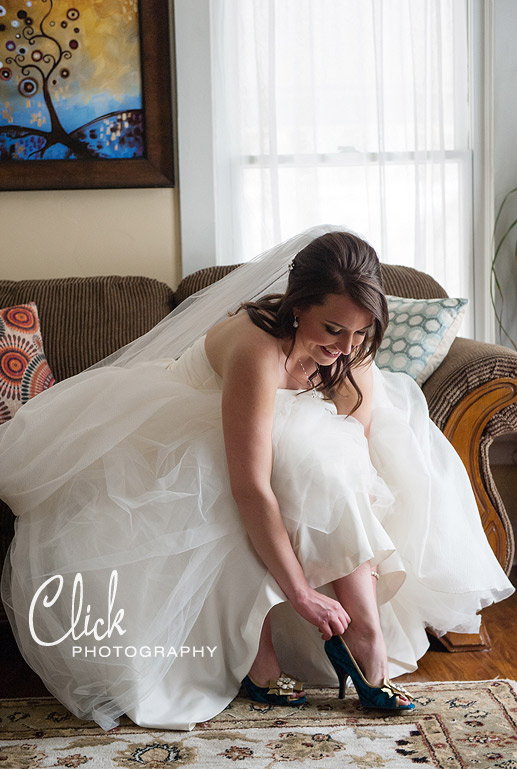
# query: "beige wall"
90,232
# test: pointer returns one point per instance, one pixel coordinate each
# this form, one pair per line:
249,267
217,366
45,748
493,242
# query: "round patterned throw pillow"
24,371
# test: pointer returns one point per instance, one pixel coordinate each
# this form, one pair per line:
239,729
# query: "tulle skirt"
131,583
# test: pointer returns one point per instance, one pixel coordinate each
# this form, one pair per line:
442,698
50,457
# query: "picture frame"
155,166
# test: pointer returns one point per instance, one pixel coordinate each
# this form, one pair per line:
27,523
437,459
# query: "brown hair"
335,263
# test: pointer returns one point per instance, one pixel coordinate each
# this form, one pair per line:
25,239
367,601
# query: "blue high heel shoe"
279,692
384,696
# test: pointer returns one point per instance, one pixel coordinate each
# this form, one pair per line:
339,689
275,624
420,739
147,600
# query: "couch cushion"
200,279
85,319
406,281
397,279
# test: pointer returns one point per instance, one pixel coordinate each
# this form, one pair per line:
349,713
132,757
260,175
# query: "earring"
295,322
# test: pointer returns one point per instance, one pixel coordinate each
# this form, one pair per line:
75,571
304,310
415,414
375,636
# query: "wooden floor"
500,661
18,680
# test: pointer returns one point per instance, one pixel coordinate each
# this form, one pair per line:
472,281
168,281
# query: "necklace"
314,392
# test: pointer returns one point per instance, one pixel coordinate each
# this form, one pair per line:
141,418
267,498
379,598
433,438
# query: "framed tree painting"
85,94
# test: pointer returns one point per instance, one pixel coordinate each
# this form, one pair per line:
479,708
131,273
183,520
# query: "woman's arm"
250,379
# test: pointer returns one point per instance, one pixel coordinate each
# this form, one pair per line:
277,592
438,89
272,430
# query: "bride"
209,504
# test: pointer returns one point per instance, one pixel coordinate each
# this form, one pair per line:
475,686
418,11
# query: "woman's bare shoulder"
238,341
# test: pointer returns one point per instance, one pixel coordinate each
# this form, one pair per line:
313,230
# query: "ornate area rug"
455,725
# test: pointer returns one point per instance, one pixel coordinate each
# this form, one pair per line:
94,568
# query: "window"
334,111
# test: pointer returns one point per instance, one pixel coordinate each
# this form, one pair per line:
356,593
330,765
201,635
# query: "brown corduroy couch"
472,396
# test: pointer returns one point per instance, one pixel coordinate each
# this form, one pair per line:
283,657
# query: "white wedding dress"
140,487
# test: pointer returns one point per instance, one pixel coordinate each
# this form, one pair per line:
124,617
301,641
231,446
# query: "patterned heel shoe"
384,697
280,691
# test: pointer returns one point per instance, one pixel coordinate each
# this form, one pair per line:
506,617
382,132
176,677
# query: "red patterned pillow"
24,371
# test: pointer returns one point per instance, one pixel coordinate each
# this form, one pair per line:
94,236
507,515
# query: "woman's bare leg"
266,665
357,594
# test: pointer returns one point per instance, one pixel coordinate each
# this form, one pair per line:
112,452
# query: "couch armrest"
472,398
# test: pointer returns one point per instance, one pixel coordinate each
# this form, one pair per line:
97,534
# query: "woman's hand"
326,613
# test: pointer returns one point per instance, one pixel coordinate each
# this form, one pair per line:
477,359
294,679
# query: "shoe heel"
384,696
342,683
342,677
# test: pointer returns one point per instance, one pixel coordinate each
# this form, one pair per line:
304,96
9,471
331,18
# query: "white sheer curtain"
344,111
